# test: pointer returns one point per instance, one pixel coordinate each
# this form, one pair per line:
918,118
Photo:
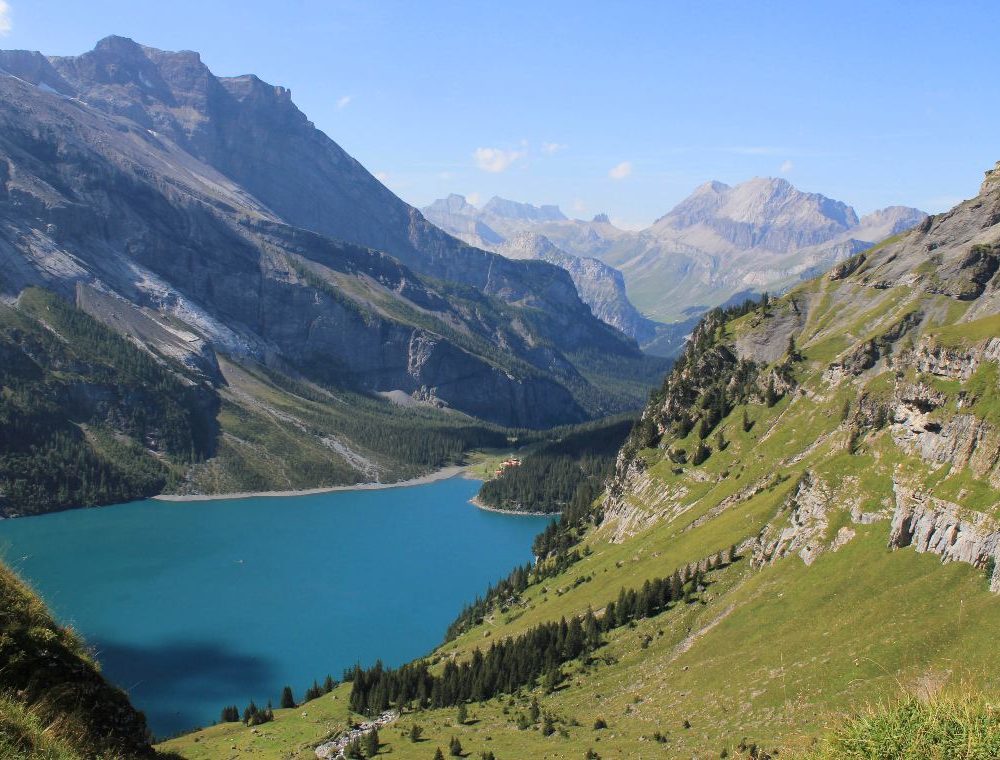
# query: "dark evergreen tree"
287,698
371,743
701,453
770,394
455,747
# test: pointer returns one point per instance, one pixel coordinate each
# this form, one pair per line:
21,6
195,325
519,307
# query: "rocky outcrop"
966,278
848,267
929,524
804,531
931,358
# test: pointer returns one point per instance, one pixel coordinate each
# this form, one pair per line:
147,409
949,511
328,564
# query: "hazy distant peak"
601,219
523,211
453,204
768,212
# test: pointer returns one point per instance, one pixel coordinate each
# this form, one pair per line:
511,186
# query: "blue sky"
617,107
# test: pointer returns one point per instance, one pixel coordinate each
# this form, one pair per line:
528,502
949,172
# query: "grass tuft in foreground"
963,727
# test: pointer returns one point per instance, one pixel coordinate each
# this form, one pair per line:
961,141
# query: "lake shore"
479,505
445,473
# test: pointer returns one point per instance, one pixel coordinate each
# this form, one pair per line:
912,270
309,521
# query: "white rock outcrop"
929,524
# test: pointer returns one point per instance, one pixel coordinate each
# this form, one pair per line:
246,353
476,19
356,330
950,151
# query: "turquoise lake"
194,605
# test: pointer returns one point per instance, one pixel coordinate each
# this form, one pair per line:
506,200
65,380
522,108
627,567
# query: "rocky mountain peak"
453,204
991,181
763,212
523,211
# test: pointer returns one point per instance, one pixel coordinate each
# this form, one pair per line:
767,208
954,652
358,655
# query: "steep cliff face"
212,206
929,524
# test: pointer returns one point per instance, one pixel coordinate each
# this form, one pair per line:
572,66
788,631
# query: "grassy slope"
778,653
54,704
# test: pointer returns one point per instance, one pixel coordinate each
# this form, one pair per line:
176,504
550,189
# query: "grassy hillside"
843,440
54,703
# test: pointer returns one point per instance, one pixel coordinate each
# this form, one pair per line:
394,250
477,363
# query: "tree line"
520,661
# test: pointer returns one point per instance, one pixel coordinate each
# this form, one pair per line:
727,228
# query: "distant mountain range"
720,243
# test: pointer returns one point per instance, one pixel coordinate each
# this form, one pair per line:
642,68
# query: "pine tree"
415,733
329,684
463,714
353,750
747,424
535,711
438,754
548,726
701,453
455,747
371,743
770,394
553,678
287,698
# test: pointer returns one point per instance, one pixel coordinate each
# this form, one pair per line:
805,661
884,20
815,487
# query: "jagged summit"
762,212
523,211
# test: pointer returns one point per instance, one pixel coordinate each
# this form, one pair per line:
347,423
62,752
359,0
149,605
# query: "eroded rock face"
929,524
805,532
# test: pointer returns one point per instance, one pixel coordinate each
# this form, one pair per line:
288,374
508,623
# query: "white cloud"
786,167
551,147
473,198
578,206
341,102
621,171
382,177
5,24
496,159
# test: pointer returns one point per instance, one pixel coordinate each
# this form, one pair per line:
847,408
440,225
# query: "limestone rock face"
804,533
940,527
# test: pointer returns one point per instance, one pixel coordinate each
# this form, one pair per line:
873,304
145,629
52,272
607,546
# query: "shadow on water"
174,684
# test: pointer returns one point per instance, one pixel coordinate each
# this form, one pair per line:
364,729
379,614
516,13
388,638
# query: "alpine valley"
781,543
